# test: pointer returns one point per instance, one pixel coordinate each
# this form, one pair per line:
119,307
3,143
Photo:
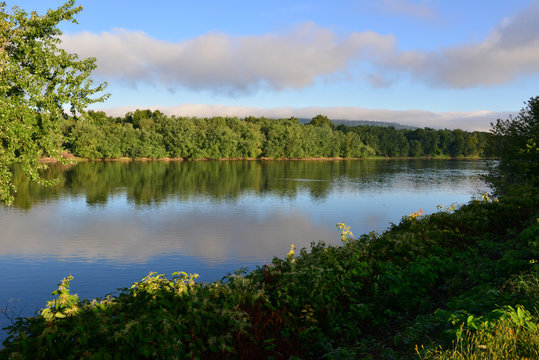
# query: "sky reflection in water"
109,224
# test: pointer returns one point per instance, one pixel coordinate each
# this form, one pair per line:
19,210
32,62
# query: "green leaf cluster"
150,134
391,142
516,142
38,81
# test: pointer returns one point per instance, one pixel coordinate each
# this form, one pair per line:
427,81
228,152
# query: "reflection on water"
147,183
110,223
116,232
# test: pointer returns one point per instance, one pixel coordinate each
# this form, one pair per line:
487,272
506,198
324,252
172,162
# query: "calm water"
109,224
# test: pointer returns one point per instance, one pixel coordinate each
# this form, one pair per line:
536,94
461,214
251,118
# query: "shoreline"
72,158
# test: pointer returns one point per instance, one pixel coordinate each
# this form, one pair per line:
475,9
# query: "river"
111,223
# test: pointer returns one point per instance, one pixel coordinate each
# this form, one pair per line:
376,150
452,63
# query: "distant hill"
364,122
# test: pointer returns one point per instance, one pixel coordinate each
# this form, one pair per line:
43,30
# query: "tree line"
151,134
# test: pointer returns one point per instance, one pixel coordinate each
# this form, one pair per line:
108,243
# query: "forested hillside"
147,134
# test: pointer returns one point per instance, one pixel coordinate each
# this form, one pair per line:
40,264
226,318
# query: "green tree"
458,145
38,80
321,120
416,149
516,142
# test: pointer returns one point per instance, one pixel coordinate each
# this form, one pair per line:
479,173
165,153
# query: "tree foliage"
38,81
153,135
516,143
321,120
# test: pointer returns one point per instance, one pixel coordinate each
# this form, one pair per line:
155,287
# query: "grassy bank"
459,281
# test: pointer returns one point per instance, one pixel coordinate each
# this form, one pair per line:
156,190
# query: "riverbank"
72,158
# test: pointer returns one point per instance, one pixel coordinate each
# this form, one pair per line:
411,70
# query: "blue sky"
453,64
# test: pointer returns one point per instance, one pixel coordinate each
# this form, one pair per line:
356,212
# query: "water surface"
110,223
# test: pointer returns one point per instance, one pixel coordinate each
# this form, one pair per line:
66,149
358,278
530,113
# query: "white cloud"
226,63
511,50
409,8
471,120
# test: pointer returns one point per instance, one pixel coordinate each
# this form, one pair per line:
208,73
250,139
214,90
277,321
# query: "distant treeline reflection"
153,182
